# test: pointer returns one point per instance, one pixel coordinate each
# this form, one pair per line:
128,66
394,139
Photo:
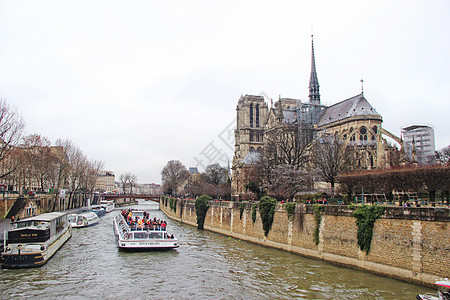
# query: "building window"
257,115
363,134
251,114
375,129
251,136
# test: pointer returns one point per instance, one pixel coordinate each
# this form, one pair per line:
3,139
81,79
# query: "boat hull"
85,219
145,245
22,259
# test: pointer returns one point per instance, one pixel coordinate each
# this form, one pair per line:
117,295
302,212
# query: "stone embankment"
410,244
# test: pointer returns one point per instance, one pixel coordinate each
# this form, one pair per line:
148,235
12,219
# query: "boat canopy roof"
44,217
444,283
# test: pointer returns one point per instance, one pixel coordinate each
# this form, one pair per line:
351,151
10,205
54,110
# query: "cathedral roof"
352,107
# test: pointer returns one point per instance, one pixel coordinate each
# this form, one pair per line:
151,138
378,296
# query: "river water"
205,266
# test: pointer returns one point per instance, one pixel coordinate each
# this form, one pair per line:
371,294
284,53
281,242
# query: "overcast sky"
138,83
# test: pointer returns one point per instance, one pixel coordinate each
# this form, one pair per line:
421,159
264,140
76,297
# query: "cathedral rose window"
363,134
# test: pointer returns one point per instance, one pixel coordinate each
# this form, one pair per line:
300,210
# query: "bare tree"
282,163
331,157
133,182
173,175
128,180
284,147
288,180
90,177
74,168
40,161
215,174
124,181
11,128
441,157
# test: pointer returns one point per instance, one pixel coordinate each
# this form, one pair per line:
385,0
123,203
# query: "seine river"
205,266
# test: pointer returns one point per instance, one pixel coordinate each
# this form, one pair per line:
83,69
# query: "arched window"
251,114
257,115
363,134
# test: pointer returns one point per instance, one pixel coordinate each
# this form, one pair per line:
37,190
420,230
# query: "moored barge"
33,241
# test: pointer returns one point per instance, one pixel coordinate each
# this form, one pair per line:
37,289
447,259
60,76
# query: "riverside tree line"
30,163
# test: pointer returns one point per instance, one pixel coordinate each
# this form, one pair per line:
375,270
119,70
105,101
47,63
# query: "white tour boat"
33,241
443,291
136,238
83,219
108,205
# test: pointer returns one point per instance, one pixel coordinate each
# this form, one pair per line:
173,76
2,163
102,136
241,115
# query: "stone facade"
410,244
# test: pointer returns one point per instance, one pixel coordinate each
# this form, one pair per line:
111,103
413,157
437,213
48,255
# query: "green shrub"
267,210
201,207
290,209
173,204
366,215
164,200
241,210
318,218
254,207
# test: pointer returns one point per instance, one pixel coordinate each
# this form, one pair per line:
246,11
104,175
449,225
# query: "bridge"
132,196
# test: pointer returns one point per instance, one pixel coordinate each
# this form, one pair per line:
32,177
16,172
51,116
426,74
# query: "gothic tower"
250,125
251,119
314,96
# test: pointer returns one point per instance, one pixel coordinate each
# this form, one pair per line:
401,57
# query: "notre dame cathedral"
354,120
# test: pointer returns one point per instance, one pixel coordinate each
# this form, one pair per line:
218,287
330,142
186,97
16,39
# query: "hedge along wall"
411,244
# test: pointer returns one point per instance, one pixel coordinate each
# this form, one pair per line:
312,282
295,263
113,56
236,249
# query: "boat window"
41,224
155,235
36,224
140,235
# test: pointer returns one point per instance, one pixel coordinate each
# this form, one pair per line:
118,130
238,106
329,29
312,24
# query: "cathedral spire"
314,96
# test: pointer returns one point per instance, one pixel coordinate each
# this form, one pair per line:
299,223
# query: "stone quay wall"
410,244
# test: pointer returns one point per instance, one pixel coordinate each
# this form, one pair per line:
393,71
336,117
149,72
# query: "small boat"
108,205
83,219
443,291
141,238
99,210
33,241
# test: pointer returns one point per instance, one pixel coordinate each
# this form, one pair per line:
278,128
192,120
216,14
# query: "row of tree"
31,163
291,163
428,179
177,180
